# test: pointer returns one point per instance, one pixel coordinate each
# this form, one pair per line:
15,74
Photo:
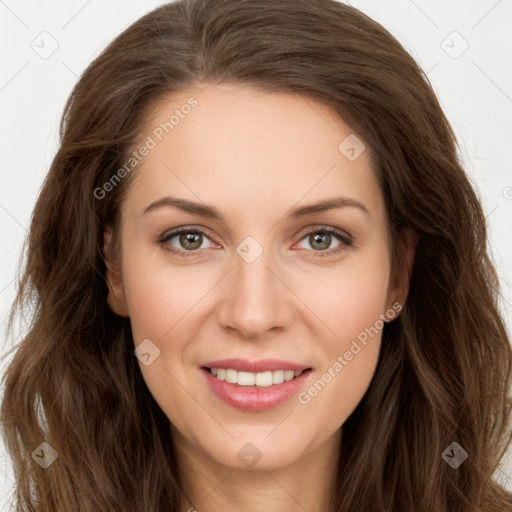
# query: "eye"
321,239
190,241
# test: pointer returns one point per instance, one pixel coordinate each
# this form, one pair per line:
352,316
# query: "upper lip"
263,365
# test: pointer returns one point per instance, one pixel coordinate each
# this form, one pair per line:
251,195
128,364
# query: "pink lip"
254,398
264,365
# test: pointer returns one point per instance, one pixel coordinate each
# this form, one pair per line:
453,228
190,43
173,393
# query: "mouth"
255,385
263,379
255,392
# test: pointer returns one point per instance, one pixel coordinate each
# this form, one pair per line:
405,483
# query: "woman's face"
259,280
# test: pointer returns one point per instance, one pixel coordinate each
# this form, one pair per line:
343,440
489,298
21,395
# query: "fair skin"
254,156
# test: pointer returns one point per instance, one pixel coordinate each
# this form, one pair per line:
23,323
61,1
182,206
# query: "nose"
255,298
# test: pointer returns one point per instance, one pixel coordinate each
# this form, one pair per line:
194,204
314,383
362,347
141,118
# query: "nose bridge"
252,274
256,300
253,281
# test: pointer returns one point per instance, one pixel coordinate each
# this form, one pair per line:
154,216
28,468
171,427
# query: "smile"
255,392
260,379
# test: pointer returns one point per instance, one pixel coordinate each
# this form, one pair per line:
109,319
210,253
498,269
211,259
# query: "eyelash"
346,240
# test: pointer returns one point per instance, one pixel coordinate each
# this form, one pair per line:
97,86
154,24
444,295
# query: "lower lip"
254,398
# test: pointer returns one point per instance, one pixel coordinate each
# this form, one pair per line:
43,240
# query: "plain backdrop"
465,46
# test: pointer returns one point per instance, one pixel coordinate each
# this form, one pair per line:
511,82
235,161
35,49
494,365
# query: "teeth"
261,379
246,379
231,376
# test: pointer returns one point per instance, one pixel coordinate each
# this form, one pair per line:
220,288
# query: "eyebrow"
205,210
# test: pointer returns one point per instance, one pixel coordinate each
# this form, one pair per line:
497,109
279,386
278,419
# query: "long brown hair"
444,369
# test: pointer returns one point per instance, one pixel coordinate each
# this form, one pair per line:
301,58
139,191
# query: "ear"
400,278
116,296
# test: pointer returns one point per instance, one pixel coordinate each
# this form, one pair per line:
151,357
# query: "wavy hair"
444,369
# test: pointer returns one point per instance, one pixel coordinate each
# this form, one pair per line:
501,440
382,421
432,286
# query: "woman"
261,280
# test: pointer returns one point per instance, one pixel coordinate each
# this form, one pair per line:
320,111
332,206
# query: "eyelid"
330,229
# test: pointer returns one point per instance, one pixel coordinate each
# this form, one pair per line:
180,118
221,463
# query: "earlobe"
119,307
406,250
116,298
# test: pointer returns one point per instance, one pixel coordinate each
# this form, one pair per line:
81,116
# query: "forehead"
249,147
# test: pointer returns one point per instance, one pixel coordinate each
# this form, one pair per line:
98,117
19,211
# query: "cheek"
347,299
350,302
160,297
350,358
163,302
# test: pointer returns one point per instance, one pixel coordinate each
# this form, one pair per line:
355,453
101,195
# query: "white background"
474,88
